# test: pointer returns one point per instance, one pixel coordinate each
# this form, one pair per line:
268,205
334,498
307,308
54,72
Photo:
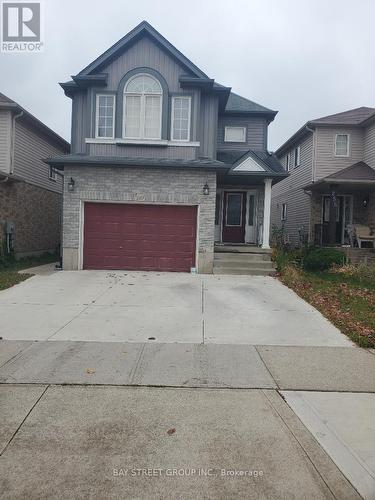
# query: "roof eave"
301,132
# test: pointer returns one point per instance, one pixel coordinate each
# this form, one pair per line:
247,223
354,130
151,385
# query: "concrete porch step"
249,271
248,249
242,257
258,264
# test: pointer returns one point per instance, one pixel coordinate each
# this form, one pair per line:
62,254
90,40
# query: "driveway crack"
23,421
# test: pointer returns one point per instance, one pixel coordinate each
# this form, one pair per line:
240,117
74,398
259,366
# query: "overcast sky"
304,58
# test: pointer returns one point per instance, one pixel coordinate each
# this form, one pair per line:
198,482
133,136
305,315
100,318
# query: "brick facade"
138,185
36,215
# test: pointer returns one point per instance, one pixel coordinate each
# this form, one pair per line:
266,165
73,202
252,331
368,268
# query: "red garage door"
139,237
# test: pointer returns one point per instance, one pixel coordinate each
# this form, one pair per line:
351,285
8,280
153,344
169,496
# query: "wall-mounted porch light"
71,185
365,201
206,189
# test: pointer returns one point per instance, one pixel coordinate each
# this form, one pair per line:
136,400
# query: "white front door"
251,217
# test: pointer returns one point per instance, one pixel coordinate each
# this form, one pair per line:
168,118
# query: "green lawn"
346,298
9,274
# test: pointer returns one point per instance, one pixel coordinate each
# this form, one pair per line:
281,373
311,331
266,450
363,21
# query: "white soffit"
249,165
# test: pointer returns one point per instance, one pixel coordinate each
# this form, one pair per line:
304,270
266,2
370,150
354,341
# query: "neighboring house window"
105,116
52,174
297,156
287,162
283,211
181,110
342,145
142,108
235,134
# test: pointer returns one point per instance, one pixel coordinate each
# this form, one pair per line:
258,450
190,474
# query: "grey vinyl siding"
145,54
208,125
5,140
256,133
176,152
30,147
80,116
326,163
369,146
290,191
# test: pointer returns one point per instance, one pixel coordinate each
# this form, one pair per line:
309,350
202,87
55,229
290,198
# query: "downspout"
13,140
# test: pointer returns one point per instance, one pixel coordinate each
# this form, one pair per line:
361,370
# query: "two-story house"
331,186
30,190
164,162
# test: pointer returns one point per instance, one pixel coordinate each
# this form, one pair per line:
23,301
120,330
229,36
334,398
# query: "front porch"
340,204
242,215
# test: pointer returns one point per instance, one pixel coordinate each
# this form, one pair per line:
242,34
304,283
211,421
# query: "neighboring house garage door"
139,237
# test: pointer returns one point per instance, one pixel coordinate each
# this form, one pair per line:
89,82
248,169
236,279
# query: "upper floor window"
235,134
142,108
181,118
105,116
342,145
287,162
297,156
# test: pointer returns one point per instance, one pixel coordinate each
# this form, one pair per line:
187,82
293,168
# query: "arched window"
142,108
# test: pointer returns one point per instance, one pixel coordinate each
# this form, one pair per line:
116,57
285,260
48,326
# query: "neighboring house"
30,190
164,162
331,185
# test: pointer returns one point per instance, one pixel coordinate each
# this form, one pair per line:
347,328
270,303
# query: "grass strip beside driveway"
9,267
9,278
347,299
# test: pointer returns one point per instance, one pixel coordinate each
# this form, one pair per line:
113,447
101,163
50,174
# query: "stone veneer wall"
138,185
36,215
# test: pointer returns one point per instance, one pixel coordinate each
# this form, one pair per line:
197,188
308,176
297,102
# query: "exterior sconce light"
71,185
206,189
365,201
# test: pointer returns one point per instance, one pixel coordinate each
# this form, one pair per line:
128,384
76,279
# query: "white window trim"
284,215
233,126
297,156
52,174
172,117
347,149
97,116
142,115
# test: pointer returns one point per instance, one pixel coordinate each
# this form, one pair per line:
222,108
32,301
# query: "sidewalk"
217,408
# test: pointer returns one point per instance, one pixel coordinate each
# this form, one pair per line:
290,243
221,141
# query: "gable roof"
143,28
357,174
239,104
7,103
357,171
357,117
267,161
4,98
351,117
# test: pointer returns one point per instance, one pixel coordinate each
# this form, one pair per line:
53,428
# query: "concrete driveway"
162,307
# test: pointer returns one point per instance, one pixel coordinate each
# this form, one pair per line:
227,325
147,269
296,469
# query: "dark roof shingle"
236,103
350,117
269,159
